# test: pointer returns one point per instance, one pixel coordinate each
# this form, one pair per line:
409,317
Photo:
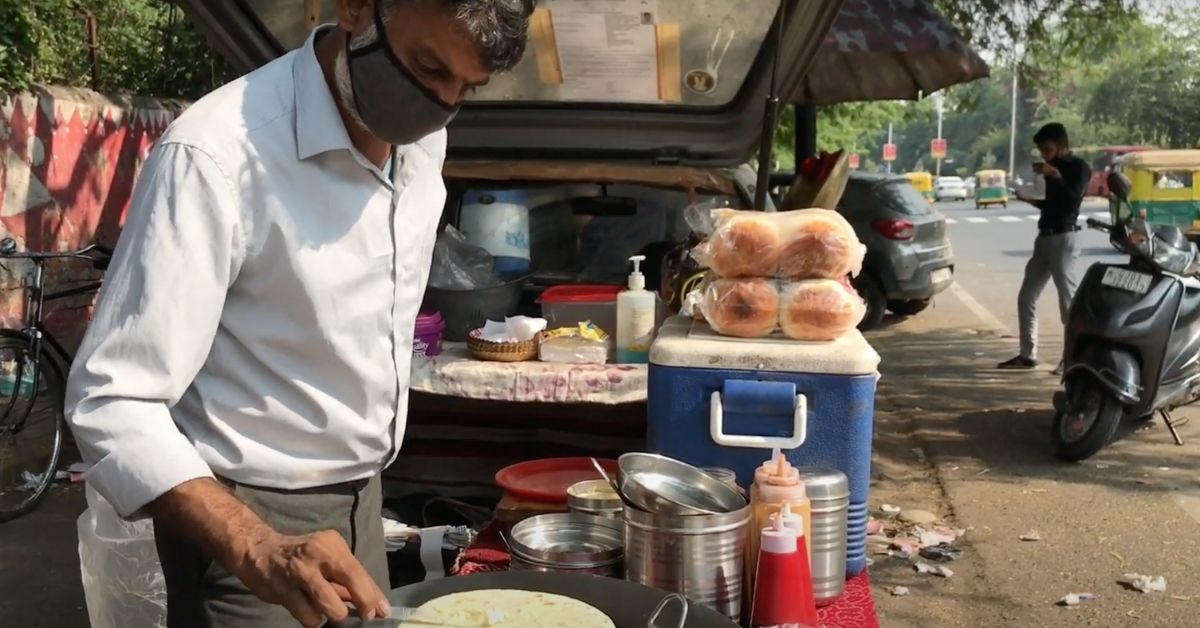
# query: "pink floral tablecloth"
454,373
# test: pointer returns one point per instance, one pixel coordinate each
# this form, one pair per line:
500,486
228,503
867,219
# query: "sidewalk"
971,444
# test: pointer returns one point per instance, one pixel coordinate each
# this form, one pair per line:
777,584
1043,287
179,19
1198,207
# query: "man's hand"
313,575
1050,172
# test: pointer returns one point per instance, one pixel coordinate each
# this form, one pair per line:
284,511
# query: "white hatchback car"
950,189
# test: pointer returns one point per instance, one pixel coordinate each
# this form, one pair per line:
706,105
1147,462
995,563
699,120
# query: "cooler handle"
716,426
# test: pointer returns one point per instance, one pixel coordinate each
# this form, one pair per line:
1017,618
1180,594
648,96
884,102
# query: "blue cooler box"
725,402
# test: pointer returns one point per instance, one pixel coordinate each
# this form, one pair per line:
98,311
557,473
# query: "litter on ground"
1075,599
1143,583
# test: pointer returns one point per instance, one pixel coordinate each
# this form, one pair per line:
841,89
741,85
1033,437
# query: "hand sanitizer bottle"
635,317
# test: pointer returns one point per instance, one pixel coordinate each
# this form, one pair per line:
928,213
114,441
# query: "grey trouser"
1053,258
202,594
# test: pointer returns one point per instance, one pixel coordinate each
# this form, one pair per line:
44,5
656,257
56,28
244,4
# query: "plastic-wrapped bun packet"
814,309
799,244
585,344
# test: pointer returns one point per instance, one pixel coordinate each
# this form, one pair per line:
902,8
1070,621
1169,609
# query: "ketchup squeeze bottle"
783,591
776,484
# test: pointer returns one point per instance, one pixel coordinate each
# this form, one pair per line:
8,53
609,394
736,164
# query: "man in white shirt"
245,377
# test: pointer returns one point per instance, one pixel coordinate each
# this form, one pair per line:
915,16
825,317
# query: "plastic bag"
800,244
821,181
699,215
584,344
813,309
459,265
122,579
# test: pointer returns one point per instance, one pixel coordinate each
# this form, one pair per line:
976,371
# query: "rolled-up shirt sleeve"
153,327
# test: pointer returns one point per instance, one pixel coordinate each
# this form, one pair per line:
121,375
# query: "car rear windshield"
902,197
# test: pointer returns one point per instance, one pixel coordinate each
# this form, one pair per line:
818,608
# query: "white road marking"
951,221
977,220
1101,215
1032,217
1009,218
977,308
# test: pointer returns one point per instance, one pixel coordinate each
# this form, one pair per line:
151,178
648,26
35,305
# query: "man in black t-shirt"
1055,250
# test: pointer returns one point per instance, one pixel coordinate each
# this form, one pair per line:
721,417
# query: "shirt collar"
319,126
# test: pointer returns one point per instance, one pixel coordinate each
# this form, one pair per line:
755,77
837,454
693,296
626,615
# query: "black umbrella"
888,50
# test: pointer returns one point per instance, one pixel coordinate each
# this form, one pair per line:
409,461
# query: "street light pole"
1012,137
938,101
889,163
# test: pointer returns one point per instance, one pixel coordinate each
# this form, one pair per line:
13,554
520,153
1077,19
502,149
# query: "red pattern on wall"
68,161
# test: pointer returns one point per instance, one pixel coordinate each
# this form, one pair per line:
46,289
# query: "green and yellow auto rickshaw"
990,188
922,182
1165,187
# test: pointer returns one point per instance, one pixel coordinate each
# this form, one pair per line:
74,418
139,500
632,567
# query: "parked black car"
909,257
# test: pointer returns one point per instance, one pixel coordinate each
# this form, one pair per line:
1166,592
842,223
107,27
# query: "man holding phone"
1055,250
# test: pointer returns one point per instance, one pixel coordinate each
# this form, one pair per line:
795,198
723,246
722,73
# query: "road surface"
971,443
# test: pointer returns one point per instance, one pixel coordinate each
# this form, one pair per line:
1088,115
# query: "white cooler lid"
683,342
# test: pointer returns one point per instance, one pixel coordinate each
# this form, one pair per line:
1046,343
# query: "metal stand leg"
1171,424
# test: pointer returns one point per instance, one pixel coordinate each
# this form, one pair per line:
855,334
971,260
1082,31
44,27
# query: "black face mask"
394,105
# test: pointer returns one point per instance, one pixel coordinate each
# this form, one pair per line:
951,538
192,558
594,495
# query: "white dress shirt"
257,319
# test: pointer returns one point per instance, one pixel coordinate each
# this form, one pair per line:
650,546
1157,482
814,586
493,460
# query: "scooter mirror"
1119,186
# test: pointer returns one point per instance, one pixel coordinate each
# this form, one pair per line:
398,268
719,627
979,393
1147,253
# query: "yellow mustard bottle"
776,483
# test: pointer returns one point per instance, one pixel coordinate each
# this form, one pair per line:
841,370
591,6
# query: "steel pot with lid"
828,493
568,542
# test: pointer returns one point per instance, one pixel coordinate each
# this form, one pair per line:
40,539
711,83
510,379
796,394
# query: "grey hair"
498,27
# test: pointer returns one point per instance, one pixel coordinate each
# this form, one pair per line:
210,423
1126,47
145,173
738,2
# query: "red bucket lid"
583,293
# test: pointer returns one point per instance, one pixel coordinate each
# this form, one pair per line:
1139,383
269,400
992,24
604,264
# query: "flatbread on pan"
509,608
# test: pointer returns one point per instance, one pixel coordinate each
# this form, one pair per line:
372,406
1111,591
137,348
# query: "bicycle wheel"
31,426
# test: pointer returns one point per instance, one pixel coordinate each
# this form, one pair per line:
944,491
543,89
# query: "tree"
1152,87
142,47
16,39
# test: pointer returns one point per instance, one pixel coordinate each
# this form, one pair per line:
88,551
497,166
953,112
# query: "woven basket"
501,351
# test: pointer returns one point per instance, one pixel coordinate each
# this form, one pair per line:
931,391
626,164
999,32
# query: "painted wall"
68,160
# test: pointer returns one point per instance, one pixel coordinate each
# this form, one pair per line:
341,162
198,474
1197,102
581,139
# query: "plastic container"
427,336
636,311
465,310
567,306
777,487
499,222
715,401
783,593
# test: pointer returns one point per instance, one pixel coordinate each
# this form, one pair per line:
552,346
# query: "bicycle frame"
36,332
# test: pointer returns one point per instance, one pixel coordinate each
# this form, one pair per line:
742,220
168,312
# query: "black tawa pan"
628,604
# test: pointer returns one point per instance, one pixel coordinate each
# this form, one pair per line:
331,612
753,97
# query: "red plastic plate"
547,480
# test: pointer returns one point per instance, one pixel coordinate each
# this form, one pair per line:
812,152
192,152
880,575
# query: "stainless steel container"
569,543
726,476
671,487
829,494
594,497
699,556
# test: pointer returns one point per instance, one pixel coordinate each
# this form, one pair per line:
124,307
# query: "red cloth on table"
854,608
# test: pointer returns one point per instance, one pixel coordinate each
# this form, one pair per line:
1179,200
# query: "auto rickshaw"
1166,187
922,182
990,188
